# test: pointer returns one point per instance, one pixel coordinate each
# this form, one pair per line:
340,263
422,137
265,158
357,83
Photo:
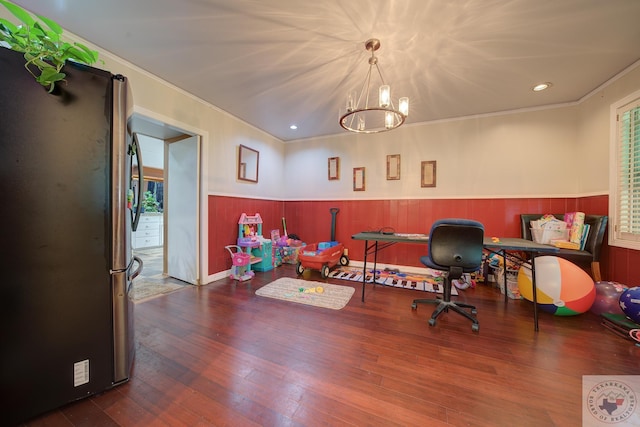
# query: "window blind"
628,200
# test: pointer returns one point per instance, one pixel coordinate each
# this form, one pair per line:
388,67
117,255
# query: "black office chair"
455,246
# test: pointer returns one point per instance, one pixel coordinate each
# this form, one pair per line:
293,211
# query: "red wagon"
322,257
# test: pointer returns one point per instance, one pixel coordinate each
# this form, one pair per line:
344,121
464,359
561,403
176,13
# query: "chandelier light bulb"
352,101
384,96
403,105
389,117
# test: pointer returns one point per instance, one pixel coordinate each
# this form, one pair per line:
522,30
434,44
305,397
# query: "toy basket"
511,288
545,235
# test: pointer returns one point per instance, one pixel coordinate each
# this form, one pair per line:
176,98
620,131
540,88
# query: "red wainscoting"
311,220
224,213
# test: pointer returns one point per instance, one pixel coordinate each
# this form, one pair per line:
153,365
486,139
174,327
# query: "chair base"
445,306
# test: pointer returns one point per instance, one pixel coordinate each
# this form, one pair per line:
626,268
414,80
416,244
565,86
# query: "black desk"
499,246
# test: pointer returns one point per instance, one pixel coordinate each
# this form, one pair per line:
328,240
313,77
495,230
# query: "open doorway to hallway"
167,238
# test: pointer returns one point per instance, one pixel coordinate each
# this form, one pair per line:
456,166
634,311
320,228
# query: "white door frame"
163,121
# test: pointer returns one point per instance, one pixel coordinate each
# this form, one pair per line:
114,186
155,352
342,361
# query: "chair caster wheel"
432,322
475,327
414,306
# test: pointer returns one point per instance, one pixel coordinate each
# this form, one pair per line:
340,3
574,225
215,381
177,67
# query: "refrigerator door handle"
138,270
134,150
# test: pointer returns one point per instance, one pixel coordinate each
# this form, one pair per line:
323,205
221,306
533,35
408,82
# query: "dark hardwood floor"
220,355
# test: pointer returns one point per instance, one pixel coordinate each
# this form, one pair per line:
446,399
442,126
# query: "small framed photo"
358,179
334,168
393,166
428,174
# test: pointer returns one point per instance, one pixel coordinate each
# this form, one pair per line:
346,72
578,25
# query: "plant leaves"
43,33
57,29
79,55
41,45
92,55
19,13
51,75
7,26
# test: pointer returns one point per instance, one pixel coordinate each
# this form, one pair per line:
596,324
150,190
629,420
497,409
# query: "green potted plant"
149,203
40,41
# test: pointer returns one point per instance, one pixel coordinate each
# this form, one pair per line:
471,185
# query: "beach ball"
563,288
607,298
630,303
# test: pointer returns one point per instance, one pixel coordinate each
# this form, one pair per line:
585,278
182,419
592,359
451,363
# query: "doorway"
162,251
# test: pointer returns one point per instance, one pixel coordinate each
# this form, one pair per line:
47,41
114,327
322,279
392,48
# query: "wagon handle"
334,212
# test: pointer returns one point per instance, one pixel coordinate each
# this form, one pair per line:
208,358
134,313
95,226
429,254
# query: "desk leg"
364,267
535,291
504,271
375,264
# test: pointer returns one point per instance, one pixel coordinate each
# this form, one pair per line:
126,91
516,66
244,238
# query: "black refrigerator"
66,267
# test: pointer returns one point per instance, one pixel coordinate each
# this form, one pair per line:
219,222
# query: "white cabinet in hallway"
150,231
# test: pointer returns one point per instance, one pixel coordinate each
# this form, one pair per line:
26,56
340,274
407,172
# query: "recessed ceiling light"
542,86
293,127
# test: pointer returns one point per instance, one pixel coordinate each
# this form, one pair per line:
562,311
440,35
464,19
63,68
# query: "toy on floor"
608,298
630,303
324,255
563,288
314,290
240,262
250,238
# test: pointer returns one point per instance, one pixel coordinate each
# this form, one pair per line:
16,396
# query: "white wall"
221,132
561,151
594,131
509,155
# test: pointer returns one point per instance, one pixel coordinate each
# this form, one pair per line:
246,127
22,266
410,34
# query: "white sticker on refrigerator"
80,373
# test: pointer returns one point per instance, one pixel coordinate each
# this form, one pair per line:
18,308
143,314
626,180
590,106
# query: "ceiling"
273,63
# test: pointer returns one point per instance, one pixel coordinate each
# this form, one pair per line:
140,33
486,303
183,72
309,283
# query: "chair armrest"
598,225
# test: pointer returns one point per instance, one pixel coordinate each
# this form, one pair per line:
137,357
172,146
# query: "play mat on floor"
431,282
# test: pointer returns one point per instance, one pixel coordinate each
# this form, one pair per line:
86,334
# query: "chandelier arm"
380,73
367,83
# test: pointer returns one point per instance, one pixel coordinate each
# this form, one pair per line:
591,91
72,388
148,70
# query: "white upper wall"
594,131
221,133
552,152
508,155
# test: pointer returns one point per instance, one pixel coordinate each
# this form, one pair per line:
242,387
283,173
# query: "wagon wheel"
344,260
324,271
299,269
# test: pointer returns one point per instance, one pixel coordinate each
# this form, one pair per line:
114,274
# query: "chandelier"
360,116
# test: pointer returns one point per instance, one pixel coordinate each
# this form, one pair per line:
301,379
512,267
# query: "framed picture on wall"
428,174
358,179
334,168
393,166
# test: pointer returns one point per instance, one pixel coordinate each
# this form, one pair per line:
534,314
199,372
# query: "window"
624,182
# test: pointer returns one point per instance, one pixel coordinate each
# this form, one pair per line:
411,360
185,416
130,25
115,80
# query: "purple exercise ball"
607,298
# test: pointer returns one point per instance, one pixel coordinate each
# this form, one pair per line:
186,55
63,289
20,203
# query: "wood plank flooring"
219,355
